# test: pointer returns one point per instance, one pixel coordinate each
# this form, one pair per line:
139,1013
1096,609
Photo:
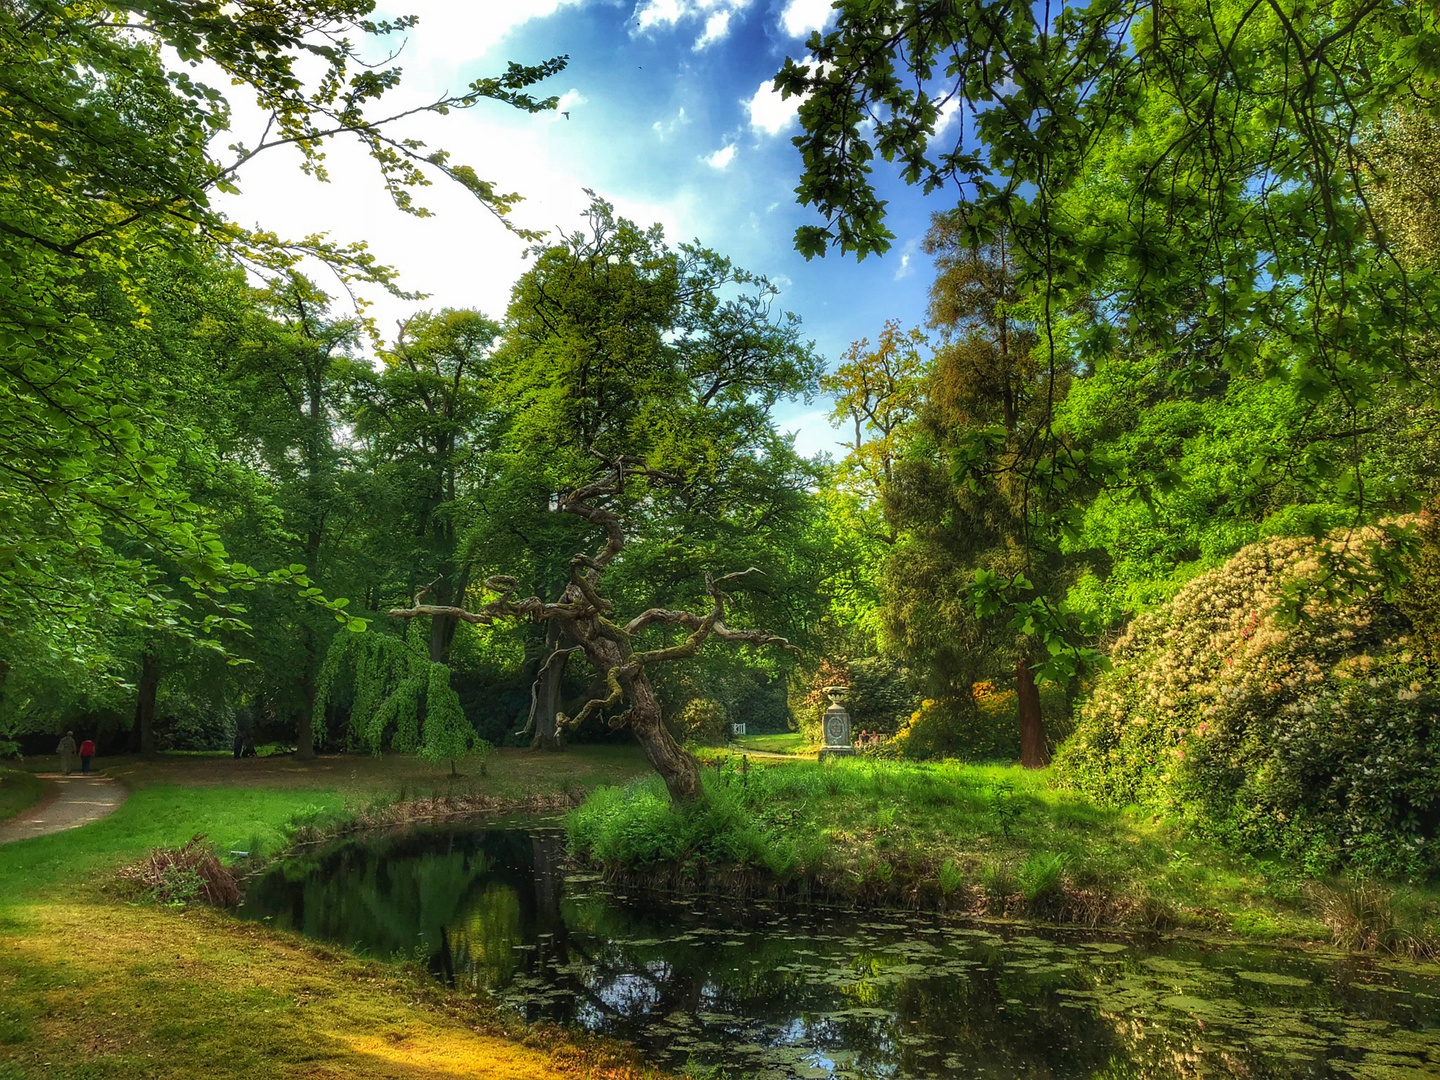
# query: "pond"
767,991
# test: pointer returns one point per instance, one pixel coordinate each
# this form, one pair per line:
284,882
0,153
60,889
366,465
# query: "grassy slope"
986,840
91,986
18,791
791,742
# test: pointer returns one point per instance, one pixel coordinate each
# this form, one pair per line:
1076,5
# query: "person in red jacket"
87,751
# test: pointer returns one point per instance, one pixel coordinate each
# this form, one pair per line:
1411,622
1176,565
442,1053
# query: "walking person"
66,750
87,751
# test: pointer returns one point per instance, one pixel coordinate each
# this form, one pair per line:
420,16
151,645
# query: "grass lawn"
790,742
19,790
97,987
987,840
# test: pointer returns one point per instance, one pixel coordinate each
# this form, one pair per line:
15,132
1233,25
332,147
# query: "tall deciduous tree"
294,374
877,394
430,425
620,346
110,153
1193,177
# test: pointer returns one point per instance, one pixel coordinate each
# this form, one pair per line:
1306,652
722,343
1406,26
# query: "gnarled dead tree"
588,621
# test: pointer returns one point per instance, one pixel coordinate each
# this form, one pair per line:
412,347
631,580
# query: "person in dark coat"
244,733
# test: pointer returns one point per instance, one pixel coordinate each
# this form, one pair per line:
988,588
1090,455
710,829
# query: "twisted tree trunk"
583,616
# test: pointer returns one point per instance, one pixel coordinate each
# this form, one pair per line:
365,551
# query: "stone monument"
836,726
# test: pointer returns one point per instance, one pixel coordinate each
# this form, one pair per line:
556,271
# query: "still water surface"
776,993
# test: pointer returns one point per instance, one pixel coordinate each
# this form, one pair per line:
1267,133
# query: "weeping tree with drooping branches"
397,696
610,646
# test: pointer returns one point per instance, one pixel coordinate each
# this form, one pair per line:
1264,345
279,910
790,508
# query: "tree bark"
667,757
305,729
1034,746
148,687
545,695
443,627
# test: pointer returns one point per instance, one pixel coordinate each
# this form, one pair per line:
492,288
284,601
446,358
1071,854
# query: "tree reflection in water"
777,993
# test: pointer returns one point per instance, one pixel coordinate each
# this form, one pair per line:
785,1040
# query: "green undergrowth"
159,816
984,840
789,742
18,791
265,809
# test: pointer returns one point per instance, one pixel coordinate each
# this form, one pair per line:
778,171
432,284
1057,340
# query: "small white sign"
737,729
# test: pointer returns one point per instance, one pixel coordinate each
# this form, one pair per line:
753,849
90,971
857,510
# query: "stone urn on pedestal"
836,726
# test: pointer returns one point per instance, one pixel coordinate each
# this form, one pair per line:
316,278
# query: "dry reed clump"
183,875
1367,916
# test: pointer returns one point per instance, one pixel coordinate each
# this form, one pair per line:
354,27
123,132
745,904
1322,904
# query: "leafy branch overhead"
111,154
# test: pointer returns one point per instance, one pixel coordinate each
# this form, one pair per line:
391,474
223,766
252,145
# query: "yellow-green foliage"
1421,598
701,721
1314,737
984,728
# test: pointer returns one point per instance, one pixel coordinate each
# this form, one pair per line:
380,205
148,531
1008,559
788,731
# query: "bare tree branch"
607,646
615,697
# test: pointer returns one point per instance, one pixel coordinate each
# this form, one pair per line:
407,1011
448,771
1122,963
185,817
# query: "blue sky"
670,117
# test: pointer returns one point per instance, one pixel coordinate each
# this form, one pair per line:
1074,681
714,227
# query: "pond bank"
92,987
980,841
788,992
163,994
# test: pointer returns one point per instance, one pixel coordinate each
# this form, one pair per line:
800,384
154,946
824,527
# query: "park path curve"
69,802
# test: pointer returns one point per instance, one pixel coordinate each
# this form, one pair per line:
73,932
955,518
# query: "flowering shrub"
1315,737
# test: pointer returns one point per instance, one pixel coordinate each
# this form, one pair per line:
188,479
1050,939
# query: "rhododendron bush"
1315,736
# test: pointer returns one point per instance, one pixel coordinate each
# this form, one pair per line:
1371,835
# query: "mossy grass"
977,839
19,790
95,985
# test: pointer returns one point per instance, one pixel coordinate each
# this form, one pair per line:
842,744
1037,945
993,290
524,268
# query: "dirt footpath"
69,802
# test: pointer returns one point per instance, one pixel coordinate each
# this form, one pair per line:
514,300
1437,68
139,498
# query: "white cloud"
716,27
949,111
666,14
459,33
907,260
721,158
568,101
660,13
437,255
802,16
665,128
769,112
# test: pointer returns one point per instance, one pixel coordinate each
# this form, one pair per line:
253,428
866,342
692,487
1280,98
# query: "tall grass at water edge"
949,823
993,840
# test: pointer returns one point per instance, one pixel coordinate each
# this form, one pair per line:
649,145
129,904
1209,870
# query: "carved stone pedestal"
836,727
